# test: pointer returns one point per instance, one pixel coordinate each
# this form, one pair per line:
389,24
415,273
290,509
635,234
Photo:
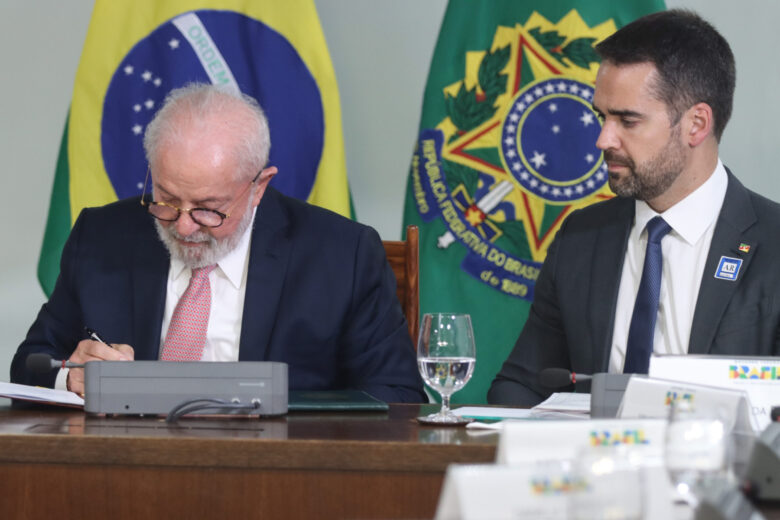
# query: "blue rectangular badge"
728,268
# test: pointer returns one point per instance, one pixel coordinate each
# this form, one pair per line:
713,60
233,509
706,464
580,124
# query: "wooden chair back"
403,257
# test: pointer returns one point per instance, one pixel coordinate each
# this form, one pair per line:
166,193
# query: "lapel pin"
728,268
744,248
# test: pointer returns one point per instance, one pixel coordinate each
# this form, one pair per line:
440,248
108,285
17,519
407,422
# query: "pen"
94,335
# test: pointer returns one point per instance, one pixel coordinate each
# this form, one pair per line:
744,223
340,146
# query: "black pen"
94,335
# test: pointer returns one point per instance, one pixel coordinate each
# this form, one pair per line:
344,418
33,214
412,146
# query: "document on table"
490,413
568,402
557,406
40,394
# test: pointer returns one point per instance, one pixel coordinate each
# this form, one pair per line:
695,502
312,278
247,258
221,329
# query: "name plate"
547,491
649,397
758,377
502,492
524,442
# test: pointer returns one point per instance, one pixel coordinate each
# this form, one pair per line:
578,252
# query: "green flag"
506,151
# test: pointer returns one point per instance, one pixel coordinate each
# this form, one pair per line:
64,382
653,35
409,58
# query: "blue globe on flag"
220,47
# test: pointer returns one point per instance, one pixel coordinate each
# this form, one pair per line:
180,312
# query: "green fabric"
58,221
470,26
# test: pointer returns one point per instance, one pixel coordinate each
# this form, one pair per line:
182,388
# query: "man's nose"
185,226
607,138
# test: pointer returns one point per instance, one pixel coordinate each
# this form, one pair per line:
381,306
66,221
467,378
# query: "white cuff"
61,383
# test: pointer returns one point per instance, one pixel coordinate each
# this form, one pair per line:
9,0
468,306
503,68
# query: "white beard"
209,250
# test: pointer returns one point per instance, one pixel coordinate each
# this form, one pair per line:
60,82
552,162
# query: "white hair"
195,104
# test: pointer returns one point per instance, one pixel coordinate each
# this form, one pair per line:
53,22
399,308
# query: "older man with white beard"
213,264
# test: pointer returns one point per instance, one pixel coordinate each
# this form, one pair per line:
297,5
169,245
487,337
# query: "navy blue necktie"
642,330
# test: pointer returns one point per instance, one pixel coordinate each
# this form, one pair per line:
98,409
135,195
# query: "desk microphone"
560,377
606,390
40,363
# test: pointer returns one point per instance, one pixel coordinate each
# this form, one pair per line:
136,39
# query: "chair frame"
404,259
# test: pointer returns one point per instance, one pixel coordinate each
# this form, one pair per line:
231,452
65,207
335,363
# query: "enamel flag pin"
744,248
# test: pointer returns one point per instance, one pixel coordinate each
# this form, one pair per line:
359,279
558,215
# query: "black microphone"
40,363
560,377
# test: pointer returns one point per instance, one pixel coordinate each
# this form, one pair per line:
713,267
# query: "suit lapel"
731,229
269,252
149,275
609,252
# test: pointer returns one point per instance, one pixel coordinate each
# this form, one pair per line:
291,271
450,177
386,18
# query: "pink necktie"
186,336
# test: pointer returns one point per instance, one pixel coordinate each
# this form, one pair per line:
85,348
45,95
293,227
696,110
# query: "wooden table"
60,463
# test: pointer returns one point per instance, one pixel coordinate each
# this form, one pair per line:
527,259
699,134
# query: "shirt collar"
691,217
231,265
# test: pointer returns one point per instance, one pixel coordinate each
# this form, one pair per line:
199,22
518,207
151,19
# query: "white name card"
758,377
501,493
541,491
524,442
649,397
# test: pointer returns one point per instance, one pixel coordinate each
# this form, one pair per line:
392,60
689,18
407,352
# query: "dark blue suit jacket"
571,320
320,297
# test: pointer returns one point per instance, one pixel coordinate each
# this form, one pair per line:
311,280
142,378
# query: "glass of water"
445,357
607,484
697,450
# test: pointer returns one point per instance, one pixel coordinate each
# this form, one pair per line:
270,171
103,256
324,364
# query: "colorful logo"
629,437
756,372
557,485
517,151
673,396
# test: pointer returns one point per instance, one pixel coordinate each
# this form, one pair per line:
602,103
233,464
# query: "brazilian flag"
138,50
506,150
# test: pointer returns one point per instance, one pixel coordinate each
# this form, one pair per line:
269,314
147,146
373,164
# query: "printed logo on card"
618,437
762,372
674,396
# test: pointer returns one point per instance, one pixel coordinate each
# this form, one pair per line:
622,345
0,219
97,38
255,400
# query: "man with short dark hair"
216,265
685,259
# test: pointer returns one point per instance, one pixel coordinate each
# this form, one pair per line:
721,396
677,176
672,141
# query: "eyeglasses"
201,216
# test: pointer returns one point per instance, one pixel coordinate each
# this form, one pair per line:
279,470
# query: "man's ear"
700,124
262,183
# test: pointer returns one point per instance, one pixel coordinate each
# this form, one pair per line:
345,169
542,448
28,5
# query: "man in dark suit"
685,259
216,265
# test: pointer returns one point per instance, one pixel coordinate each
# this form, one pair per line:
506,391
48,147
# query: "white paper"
487,413
483,427
566,402
40,394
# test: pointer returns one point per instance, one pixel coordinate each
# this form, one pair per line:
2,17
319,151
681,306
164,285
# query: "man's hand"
91,350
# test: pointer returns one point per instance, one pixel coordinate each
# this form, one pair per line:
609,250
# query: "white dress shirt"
228,288
685,251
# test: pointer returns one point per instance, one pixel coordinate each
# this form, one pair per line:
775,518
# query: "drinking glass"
607,483
446,356
697,450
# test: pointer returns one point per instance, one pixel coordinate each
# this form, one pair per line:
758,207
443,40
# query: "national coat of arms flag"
136,51
506,150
